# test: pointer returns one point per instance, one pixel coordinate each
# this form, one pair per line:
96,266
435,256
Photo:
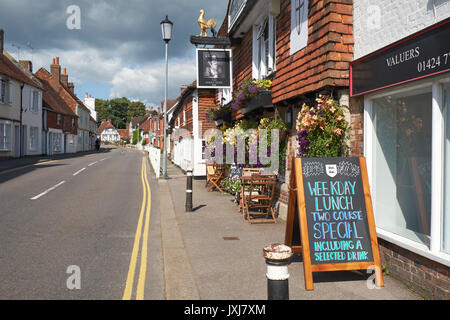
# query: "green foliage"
119,110
322,129
136,136
231,185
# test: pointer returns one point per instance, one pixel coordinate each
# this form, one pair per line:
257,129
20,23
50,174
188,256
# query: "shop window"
402,161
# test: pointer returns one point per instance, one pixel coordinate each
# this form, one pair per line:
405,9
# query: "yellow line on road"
145,208
131,270
143,267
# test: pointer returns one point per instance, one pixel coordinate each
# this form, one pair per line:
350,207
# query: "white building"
401,79
31,112
108,133
20,109
89,102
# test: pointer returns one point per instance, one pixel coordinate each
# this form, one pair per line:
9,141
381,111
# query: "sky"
111,48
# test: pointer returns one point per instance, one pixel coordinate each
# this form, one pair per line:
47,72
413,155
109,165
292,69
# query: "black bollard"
277,257
189,191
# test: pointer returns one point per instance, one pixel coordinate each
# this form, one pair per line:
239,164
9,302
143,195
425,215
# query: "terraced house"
65,89
20,108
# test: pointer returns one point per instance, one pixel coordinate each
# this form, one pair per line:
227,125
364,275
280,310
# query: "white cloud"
87,64
147,83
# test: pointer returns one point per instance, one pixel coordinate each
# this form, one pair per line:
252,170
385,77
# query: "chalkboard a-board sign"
235,171
330,205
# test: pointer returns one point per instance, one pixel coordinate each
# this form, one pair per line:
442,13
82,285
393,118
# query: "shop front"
405,91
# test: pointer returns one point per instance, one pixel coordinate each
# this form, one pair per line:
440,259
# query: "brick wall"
206,98
423,276
52,120
242,65
375,29
325,60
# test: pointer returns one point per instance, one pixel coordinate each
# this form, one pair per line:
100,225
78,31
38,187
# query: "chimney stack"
2,34
55,69
27,65
64,78
71,87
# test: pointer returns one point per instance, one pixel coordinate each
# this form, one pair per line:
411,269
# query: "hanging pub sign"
330,218
214,68
423,54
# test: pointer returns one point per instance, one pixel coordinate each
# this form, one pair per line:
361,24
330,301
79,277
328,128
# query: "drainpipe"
22,85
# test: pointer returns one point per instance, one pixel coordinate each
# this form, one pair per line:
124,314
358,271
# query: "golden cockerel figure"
205,25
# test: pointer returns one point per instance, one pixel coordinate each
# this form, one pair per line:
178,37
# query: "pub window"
264,47
299,25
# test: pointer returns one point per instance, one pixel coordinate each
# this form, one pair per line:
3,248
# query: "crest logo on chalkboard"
331,170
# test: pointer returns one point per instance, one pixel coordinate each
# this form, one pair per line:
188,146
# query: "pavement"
213,253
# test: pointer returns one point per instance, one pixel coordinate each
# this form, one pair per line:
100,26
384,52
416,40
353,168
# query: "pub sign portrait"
214,68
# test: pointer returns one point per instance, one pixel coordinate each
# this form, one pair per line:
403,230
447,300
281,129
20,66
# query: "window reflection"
402,165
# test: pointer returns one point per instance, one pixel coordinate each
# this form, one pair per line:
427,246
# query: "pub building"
303,47
400,82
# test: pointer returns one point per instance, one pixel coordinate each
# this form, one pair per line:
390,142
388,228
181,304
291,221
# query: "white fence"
155,159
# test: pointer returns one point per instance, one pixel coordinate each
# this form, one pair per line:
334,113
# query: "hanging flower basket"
322,129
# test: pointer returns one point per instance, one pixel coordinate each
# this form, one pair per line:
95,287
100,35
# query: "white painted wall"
378,23
32,119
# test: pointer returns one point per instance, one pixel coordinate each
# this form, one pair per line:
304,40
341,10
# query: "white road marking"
91,164
48,190
103,159
81,170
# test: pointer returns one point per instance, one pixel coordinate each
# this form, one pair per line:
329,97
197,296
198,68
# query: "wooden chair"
246,173
215,173
258,203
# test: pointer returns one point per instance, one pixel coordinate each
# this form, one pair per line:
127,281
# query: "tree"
118,110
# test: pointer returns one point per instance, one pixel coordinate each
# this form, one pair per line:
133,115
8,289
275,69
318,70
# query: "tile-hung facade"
189,123
59,122
401,84
59,82
304,46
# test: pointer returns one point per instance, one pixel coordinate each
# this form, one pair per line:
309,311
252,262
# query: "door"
25,142
50,143
16,141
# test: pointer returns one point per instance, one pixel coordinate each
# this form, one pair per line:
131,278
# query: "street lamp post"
166,28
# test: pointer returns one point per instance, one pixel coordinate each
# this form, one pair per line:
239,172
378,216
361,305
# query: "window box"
262,100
